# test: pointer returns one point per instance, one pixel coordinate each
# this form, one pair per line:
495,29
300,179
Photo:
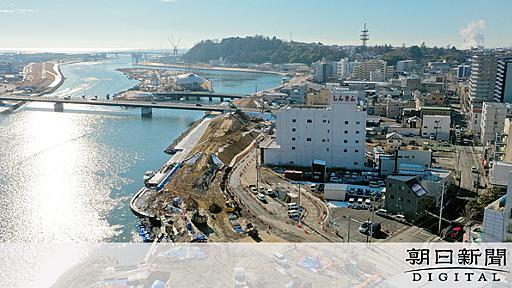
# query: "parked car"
254,190
382,212
455,234
369,227
292,206
261,197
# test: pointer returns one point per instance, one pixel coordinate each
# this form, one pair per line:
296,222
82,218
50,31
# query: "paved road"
272,213
469,157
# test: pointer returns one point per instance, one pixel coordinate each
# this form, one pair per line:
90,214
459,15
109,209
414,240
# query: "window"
294,129
328,131
356,163
345,141
346,131
357,132
327,149
392,196
323,140
356,151
309,121
346,122
308,139
293,138
357,122
357,141
294,120
325,121
344,150
293,147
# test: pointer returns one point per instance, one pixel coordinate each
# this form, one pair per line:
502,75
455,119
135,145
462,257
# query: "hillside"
259,49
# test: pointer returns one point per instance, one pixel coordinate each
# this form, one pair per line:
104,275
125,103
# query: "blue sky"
148,23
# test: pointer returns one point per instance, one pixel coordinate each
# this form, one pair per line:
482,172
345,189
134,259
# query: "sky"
146,24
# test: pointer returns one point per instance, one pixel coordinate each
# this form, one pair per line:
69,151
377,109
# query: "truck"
251,230
199,216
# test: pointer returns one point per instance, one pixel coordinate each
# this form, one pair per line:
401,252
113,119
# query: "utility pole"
441,210
372,207
300,214
257,143
348,230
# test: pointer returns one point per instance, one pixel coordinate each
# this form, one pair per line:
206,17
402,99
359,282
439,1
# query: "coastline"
215,68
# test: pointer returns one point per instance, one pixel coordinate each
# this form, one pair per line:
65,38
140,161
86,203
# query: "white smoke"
472,34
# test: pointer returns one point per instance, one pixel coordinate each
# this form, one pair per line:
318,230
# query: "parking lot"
392,230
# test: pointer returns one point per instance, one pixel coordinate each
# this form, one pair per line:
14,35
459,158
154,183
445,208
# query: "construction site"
210,191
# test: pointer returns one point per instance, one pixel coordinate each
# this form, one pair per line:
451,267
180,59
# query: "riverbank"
214,68
140,202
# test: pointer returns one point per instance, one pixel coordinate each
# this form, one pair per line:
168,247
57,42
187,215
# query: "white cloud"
17,11
472,34
168,1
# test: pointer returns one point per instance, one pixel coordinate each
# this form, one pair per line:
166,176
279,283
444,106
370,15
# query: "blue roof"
319,162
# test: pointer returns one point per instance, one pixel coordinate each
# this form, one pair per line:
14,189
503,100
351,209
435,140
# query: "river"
68,177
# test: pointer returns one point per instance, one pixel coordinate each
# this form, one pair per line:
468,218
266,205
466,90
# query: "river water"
68,177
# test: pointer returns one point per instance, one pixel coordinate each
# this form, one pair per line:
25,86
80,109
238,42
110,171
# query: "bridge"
177,95
146,107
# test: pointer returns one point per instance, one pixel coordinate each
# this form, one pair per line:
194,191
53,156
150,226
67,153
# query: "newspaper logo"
461,265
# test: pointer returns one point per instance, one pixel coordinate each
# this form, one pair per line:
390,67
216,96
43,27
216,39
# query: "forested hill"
259,49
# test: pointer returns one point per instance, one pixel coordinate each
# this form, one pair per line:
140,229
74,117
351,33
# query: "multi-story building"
405,66
342,69
463,71
364,69
436,126
483,77
497,226
503,86
335,134
492,121
481,85
324,71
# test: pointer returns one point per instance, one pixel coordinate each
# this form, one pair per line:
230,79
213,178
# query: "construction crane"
174,44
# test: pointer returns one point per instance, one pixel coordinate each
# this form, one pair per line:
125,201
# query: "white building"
405,66
437,126
342,69
492,121
335,134
497,226
499,173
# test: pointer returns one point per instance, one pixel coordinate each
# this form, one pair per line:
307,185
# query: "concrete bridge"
146,106
177,95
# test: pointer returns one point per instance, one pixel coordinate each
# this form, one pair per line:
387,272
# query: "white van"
292,206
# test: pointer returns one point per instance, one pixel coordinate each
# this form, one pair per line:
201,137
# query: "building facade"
406,196
497,226
503,86
364,69
437,126
335,134
492,121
